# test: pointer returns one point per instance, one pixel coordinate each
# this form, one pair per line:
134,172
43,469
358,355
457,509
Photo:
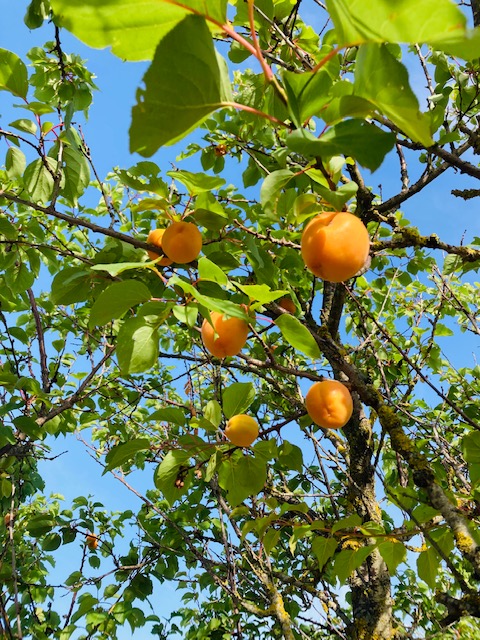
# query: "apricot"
155,237
242,430
335,246
182,242
329,404
288,304
8,518
92,541
227,336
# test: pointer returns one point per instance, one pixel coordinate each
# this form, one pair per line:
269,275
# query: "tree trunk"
370,584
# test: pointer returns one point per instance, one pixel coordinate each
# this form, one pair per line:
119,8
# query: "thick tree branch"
78,222
409,237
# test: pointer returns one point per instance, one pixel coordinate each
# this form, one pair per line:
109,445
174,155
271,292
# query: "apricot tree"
297,109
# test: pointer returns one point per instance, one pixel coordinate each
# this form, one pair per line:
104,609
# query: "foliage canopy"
368,532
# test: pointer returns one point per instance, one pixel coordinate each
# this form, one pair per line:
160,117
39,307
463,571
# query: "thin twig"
46,384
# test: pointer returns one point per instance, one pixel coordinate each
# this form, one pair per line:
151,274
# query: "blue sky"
434,210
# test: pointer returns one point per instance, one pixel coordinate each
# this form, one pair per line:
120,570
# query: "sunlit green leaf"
348,560
167,473
116,300
237,398
297,335
185,83
122,453
137,346
324,548
13,74
383,80
393,552
428,563
383,21
197,183
39,179
365,142
242,476
132,32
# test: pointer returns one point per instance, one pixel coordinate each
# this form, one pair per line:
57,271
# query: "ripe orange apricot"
329,404
242,430
182,242
227,336
335,246
288,304
155,237
92,541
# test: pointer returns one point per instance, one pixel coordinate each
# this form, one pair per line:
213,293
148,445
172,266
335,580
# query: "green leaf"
172,415
86,603
40,525
137,346
363,141
299,532
184,84
51,542
5,488
307,93
347,523
428,563
465,46
37,12
348,560
27,126
13,74
443,331
76,172
167,472
116,300
70,285
7,229
242,476
403,21
132,32
122,453
298,336
347,106
271,188
19,278
383,80
471,447
324,548
336,198
260,292
237,398
271,539
208,270
213,304
213,413
117,268
15,162
290,456
28,426
393,552
209,212
187,314
38,180
197,183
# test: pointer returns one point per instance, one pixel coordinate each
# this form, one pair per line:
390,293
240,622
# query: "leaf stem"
326,59
262,114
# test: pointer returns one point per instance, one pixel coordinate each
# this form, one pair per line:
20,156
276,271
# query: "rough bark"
370,584
476,12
